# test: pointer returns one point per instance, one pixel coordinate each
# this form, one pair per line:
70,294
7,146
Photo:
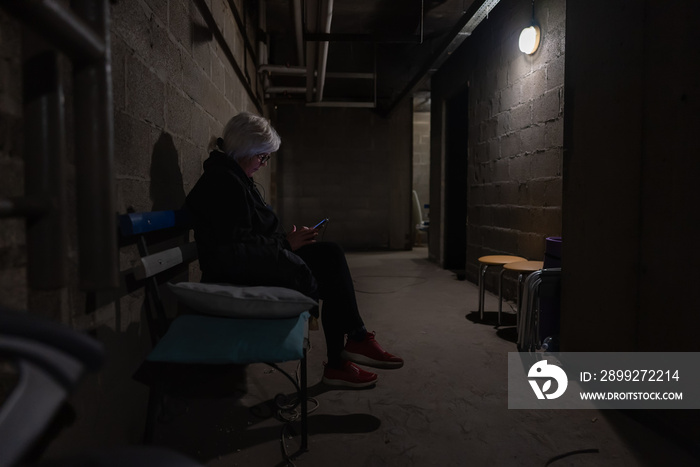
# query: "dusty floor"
446,407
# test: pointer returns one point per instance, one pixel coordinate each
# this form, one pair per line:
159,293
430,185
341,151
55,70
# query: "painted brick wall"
515,135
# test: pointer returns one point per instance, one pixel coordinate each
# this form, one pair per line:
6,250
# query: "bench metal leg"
518,312
302,403
482,274
304,407
155,405
500,295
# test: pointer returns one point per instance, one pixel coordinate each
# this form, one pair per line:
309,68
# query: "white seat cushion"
236,301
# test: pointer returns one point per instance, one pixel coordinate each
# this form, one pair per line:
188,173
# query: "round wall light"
529,40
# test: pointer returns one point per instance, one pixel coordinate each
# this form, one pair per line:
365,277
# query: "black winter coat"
238,236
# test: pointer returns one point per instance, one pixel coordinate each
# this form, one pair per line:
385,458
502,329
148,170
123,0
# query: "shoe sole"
347,384
366,361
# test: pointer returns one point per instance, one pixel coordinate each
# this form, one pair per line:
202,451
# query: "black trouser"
339,314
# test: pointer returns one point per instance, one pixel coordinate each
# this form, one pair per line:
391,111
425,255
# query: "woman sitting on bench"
240,241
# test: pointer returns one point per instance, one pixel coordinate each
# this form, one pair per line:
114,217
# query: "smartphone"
320,224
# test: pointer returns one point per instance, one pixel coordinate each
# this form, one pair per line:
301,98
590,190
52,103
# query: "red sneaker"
349,375
370,353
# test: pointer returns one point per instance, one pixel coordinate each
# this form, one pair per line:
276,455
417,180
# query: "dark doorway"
455,226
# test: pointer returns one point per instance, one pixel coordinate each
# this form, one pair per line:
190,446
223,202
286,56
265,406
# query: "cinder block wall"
175,84
515,135
352,166
174,90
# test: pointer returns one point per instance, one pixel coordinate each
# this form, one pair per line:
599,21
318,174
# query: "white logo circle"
542,369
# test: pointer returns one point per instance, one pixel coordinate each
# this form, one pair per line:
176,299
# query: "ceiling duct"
370,39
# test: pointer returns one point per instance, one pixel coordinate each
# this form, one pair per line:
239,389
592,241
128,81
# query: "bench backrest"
159,225
135,223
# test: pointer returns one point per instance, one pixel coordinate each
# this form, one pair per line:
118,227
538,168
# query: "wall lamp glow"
530,37
529,40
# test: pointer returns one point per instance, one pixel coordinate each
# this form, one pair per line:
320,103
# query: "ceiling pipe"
283,70
286,90
263,45
310,20
298,32
325,25
349,75
349,104
262,37
475,13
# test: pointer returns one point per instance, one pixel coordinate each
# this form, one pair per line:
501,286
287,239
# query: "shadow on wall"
200,34
167,189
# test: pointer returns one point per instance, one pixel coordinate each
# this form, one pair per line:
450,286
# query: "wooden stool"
484,263
524,268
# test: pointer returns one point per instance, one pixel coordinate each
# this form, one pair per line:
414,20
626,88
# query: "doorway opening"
455,170
421,168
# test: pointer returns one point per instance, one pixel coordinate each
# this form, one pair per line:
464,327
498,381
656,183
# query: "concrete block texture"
555,73
195,80
132,147
549,106
159,9
179,112
133,22
517,118
179,21
534,84
199,126
146,35
200,41
145,93
120,50
515,135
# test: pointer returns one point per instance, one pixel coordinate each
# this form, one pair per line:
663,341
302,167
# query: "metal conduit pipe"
285,89
283,70
325,22
311,8
298,34
44,167
262,25
94,148
349,75
347,103
263,45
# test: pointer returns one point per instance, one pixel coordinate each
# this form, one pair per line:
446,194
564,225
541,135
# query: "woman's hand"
299,238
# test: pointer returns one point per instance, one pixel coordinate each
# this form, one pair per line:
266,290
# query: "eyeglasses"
263,158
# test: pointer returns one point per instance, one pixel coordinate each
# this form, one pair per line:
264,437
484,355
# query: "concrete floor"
447,407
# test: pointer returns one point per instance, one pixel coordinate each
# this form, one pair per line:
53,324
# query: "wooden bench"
230,325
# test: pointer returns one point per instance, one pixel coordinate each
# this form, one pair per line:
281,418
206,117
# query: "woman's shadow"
167,189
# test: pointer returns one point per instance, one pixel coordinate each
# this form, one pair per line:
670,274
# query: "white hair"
247,135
